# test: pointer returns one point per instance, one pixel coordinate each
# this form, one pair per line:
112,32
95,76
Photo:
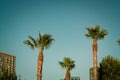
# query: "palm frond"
61,64
47,40
39,41
97,28
91,32
33,41
87,35
102,34
27,42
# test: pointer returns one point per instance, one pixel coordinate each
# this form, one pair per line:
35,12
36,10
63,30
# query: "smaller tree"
109,69
68,64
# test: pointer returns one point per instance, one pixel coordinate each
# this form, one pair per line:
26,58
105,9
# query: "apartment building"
7,62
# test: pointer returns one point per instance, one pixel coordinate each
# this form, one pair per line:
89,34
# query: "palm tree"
43,41
68,64
96,34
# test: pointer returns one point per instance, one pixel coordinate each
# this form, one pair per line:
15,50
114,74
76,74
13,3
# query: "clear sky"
66,21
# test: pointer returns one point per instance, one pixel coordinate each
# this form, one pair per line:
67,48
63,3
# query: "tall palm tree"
96,34
68,64
43,41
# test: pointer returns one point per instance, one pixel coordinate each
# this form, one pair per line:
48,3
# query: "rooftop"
7,54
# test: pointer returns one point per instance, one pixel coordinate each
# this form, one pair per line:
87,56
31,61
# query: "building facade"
7,62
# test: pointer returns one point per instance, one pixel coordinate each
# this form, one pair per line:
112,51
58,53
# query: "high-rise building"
7,62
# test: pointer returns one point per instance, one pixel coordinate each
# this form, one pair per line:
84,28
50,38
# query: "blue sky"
66,21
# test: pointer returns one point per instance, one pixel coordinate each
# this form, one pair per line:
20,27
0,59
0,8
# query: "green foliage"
109,69
67,63
96,33
43,41
5,75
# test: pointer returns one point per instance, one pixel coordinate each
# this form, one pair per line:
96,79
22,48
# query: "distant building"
7,62
73,78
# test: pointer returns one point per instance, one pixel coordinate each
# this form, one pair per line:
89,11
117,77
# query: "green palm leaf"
33,41
29,43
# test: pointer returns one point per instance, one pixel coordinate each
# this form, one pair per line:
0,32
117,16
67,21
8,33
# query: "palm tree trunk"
40,64
67,76
94,46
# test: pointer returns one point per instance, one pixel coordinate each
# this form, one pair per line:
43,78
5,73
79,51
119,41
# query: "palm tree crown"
43,41
96,33
67,63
